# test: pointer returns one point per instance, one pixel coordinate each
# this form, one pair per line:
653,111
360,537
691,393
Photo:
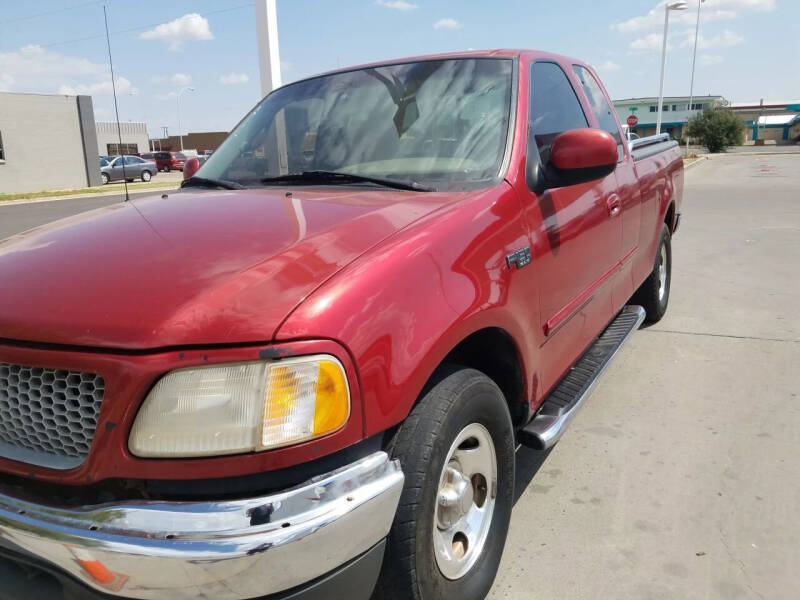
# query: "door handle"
614,205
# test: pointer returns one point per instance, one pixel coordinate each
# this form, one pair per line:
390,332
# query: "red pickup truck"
307,370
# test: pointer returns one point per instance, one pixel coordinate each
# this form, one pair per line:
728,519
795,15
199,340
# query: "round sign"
632,120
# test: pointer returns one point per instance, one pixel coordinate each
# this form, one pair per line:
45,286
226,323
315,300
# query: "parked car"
167,161
134,167
308,368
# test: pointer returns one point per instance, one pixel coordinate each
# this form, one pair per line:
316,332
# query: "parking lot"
679,479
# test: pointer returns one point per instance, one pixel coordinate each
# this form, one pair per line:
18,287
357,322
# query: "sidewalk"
170,181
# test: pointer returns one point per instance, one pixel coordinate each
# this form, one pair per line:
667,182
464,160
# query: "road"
20,216
680,477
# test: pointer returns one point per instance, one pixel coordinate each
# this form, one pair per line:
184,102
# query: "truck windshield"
439,123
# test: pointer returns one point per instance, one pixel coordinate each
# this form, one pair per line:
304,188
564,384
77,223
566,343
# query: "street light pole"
667,7
691,83
178,102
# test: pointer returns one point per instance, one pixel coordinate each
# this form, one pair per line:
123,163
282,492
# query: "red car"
306,371
167,161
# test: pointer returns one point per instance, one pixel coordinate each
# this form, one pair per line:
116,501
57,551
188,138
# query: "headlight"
245,407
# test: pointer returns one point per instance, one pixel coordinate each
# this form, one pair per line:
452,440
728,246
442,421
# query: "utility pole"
269,61
691,82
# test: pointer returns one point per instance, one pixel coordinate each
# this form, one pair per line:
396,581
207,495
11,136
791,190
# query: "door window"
554,107
600,106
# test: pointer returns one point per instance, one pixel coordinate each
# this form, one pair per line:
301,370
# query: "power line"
48,12
139,28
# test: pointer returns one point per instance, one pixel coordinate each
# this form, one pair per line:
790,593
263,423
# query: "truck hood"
193,267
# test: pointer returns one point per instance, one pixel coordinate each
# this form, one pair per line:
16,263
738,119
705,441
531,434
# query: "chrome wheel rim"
465,501
662,272
146,176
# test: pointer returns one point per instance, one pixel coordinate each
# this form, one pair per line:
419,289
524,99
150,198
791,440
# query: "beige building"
47,142
134,138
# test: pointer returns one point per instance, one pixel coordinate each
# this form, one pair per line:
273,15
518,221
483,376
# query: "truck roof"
487,53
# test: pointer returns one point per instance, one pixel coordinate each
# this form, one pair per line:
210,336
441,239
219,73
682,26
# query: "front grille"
48,416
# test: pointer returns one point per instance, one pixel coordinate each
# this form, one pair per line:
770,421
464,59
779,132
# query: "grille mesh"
49,411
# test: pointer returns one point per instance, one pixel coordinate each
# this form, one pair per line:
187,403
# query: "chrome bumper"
227,550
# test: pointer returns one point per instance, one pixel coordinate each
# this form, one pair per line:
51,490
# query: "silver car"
135,167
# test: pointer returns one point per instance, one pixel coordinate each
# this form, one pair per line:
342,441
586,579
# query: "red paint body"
388,281
583,149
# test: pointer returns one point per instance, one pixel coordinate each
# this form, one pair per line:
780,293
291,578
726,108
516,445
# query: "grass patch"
99,190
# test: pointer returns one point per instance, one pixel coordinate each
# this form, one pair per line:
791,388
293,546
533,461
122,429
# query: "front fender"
404,306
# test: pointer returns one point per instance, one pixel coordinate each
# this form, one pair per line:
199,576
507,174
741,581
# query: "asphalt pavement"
680,477
16,217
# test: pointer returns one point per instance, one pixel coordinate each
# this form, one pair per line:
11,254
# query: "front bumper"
228,550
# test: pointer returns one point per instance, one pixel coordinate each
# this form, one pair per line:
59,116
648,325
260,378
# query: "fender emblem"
519,258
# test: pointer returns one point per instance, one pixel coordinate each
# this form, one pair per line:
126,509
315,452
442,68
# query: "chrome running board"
568,395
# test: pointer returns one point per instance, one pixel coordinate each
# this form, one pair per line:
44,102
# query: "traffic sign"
632,120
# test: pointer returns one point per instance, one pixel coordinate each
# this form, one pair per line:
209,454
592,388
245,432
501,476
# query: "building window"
697,106
114,149
2,152
665,108
653,109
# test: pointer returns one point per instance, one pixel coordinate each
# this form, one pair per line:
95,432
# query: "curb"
82,196
753,154
696,161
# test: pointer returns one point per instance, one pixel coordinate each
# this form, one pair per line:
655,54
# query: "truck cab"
305,373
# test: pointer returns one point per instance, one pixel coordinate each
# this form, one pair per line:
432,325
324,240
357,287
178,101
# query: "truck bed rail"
650,145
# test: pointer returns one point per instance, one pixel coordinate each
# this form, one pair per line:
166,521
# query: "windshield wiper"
211,183
338,177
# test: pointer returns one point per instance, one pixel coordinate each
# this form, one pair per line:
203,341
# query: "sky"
747,50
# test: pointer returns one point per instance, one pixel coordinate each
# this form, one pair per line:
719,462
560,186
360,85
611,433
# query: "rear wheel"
146,176
104,178
167,169
653,294
457,452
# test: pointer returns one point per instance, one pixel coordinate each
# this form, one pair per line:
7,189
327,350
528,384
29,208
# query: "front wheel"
104,178
457,452
146,176
653,294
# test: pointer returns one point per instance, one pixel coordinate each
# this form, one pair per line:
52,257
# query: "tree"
716,129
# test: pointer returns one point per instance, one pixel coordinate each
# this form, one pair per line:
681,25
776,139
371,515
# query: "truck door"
627,190
575,232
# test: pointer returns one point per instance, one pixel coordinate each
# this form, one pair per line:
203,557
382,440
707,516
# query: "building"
675,112
134,138
207,140
777,121
47,142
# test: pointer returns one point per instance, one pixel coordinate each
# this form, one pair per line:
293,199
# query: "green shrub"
716,129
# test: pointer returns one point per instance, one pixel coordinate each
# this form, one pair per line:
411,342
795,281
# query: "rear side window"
600,107
180,156
554,107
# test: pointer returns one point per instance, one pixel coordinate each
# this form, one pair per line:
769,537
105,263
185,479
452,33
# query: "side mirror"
192,164
578,156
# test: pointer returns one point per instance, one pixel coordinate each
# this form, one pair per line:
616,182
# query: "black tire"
104,178
456,398
146,175
167,169
649,294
